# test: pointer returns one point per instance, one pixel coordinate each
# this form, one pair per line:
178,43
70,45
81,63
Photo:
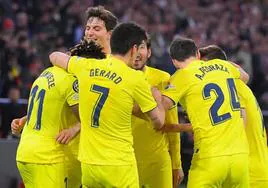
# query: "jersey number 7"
103,93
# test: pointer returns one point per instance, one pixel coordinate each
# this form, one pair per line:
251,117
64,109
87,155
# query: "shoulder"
158,72
217,61
60,73
180,73
242,88
85,61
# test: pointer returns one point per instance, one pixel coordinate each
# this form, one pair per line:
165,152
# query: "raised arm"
243,74
59,59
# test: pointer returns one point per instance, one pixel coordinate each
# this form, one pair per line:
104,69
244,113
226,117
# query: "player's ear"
149,53
174,62
177,64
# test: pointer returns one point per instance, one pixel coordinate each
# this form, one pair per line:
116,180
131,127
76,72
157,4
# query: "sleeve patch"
75,86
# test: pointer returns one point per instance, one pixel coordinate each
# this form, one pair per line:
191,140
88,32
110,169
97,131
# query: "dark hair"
148,41
212,52
125,36
182,48
87,50
100,12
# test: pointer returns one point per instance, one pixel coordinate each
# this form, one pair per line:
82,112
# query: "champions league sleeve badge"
75,86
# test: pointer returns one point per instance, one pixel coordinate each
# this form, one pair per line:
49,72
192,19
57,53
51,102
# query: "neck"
122,58
144,68
107,49
189,61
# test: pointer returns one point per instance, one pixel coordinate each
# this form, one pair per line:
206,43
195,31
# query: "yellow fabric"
52,95
42,175
109,176
107,91
152,147
73,165
203,90
73,172
256,135
224,171
156,174
258,184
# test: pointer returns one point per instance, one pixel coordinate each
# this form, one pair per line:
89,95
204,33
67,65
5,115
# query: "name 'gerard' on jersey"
106,74
206,69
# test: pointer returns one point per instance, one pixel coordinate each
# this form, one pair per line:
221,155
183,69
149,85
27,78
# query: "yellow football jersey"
256,135
107,91
52,94
147,140
207,92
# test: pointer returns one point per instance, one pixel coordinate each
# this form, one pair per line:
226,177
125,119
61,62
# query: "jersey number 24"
215,117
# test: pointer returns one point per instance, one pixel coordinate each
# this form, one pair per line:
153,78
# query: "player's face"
143,55
96,30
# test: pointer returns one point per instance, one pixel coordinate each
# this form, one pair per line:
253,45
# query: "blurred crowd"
30,29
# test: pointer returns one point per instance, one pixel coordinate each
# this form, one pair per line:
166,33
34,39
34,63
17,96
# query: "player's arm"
180,127
157,115
174,148
175,155
149,101
59,59
17,125
66,135
242,95
176,89
167,102
136,111
244,115
75,109
72,99
243,74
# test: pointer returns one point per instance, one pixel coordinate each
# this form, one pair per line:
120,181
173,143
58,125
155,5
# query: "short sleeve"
71,94
164,82
76,64
232,69
143,95
177,86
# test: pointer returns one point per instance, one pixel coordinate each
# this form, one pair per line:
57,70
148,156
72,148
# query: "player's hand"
17,125
66,135
178,176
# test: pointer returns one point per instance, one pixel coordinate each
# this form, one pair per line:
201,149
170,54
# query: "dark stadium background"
30,29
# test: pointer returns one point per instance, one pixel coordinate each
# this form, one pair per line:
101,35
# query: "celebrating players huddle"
101,118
